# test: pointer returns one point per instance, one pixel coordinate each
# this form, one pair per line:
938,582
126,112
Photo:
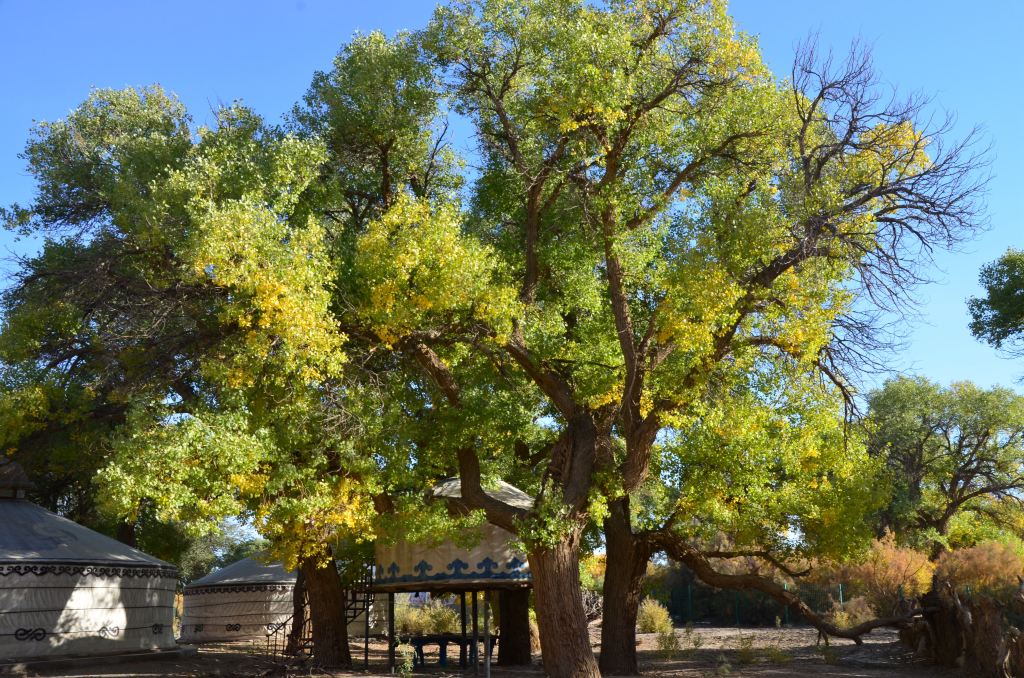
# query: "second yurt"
245,600
66,590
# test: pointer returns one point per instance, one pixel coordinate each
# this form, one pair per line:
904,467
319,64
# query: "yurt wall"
245,600
66,590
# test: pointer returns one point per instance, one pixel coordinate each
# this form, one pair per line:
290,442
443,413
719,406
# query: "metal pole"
487,634
476,638
391,632
785,609
366,631
841,593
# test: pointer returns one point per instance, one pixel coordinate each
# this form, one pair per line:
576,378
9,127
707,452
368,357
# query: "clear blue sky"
966,54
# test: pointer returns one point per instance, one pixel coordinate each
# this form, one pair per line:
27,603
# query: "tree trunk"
564,636
626,561
298,614
514,622
327,612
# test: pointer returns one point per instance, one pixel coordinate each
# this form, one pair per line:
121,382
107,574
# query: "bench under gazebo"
491,567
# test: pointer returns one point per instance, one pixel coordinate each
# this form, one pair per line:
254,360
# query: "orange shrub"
886,570
989,566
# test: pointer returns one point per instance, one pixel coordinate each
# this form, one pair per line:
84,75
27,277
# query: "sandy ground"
705,652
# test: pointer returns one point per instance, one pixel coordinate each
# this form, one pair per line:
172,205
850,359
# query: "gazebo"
67,590
492,565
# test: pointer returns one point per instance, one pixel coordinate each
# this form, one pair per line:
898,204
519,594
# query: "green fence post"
785,608
840,593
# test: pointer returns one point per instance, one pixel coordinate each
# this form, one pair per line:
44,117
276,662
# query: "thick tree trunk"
564,637
514,622
298,614
327,613
627,558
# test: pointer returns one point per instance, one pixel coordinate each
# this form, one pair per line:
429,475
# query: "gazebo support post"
476,637
391,632
463,658
487,634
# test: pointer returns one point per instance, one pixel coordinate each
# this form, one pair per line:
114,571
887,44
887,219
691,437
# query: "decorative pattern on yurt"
491,562
67,590
247,599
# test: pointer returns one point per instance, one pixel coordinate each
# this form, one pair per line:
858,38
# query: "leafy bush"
406,659
776,655
653,617
668,643
887,570
592,569
534,632
691,638
852,612
746,653
440,618
434,617
990,567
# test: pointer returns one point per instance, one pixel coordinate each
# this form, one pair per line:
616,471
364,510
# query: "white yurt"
67,590
245,600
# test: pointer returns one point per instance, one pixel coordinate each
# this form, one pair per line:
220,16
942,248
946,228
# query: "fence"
688,600
695,602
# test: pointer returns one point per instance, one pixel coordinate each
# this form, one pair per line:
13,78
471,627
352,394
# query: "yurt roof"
247,571
30,535
451,488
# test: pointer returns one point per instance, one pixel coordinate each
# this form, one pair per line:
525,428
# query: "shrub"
854,611
440,618
407,619
691,638
887,570
534,632
434,617
592,569
668,643
746,653
406,656
653,617
776,655
990,567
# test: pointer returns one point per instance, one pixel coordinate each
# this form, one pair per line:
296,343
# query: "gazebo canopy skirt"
420,566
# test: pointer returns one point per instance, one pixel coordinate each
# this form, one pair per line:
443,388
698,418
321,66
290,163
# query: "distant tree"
998,317
955,458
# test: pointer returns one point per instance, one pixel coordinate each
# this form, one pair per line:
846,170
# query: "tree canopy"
638,298
998,317
955,458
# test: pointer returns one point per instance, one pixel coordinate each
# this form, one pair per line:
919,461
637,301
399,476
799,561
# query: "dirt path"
704,653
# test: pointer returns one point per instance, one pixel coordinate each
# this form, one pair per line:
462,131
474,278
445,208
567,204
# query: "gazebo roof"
451,488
